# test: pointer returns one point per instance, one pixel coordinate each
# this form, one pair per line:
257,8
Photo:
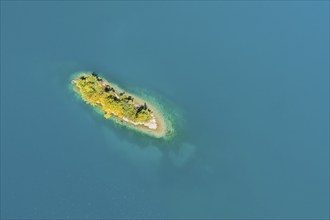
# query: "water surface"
246,81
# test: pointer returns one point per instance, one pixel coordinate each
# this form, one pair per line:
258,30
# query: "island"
122,106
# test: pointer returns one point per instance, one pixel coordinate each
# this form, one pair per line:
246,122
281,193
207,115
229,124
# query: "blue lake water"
246,82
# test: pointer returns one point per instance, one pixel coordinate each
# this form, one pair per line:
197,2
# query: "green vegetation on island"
117,103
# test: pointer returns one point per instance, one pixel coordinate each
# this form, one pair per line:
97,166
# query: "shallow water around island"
245,84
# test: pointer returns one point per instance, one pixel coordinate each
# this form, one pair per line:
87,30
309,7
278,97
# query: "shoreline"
157,126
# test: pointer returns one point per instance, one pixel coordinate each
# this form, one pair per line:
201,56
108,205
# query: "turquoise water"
246,82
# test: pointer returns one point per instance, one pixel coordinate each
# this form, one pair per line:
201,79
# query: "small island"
114,102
